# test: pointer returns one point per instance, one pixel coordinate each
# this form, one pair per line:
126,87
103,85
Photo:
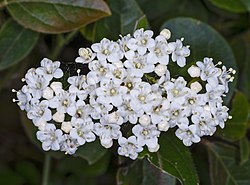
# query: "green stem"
46,170
60,43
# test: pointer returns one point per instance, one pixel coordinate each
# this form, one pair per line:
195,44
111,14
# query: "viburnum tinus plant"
128,95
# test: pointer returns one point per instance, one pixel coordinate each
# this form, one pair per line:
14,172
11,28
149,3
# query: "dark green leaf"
236,127
16,42
241,48
204,41
175,159
230,5
167,9
125,13
244,150
141,172
56,16
91,152
224,166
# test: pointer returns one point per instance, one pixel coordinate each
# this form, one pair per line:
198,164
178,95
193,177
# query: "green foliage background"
34,29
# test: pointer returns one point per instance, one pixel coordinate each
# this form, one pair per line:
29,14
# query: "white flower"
205,124
107,132
110,92
115,118
58,117
82,131
62,101
79,86
128,53
86,56
50,137
226,77
194,71
142,41
98,70
66,126
178,114
177,90
127,112
79,110
160,52
221,115
148,136
138,65
166,33
98,109
107,49
36,83
23,98
69,145
187,134
39,112
209,72
129,147
49,69
179,52
143,97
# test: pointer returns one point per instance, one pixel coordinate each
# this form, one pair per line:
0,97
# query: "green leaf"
142,23
224,166
125,13
141,172
16,42
56,16
241,48
244,150
204,41
236,127
91,152
230,5
167,9
174,158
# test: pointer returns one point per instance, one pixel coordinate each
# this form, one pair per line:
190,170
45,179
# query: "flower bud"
66,126
58,117
166,33
160,69
194,71
48,93
196,87
144,120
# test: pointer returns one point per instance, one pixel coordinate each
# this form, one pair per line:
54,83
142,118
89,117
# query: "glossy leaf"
236,127
167,9
204,42
125,13
141,23
174,158
224,166
56,16
241,48
91,152
141,172
230,5
16,42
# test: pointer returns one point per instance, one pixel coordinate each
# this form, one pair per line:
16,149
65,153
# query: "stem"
46,169
60,43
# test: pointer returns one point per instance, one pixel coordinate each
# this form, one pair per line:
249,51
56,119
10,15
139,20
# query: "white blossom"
129,147
187,134
86,56
50,137
49,69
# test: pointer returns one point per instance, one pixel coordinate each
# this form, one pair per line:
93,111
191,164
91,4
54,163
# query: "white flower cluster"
128,95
